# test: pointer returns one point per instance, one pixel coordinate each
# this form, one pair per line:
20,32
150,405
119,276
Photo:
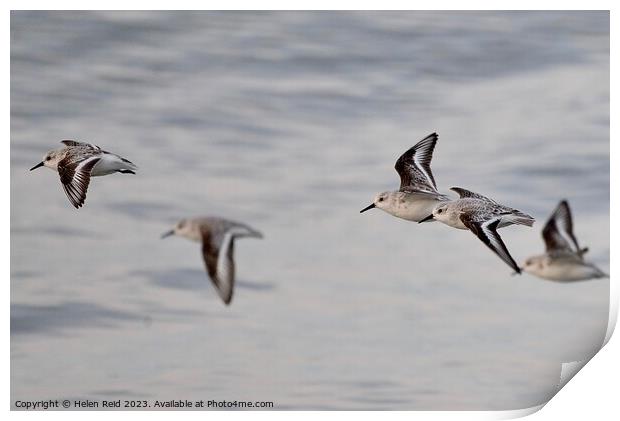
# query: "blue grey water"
291,122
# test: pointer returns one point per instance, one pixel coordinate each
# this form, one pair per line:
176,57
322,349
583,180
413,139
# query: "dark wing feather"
464,193
558,231
74,143
218,259
414,166
487,233
75,178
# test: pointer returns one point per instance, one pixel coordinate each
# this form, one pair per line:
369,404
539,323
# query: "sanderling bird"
76,162
563,259
217,236
482,216
418,195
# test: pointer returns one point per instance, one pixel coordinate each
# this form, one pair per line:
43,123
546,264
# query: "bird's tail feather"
601,274
583,251
521,218
129,165
248,232
255,234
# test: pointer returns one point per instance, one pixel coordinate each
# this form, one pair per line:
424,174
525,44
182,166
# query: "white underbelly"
414,210
109,164
567,272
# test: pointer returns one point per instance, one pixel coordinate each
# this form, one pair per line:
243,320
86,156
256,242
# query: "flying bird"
563,259
217,236
482,216
76,162
417,195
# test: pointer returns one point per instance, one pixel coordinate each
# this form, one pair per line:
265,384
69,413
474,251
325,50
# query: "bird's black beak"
428,218
40,164
516,272
372,205
167,234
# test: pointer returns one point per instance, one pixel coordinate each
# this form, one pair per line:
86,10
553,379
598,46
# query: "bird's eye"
439,210
380,199
48,158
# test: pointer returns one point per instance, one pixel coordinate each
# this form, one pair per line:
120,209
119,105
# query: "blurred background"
292,122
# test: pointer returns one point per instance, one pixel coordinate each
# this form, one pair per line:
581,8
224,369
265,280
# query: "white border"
310,5
593,394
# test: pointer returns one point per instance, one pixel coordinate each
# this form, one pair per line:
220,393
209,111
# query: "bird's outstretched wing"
558,231
75,177
414,166
486,231
217,252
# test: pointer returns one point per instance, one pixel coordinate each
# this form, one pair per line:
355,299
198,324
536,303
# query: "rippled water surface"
291,122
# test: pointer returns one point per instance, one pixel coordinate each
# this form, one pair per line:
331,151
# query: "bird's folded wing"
486,231
75,177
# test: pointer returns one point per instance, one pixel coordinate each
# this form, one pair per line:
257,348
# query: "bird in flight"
563,258
417,195
482,216
76,162
217,236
